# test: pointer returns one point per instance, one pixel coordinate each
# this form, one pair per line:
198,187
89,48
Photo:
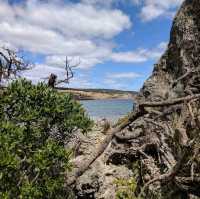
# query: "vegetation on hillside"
35,122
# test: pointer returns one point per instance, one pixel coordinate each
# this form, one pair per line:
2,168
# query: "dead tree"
53,82
11,64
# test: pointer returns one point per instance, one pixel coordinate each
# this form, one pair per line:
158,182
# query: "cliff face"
162,135
181,56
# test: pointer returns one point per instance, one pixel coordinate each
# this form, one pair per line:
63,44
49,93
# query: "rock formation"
181,59
161,135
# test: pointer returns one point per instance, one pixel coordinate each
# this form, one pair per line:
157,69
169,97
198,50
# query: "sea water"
111,109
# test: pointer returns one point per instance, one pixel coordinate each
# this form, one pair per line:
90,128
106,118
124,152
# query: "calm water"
111,109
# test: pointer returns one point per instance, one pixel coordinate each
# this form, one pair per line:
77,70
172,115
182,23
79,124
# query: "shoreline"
91,99
99,94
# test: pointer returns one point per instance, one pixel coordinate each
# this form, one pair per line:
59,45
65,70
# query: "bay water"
111,109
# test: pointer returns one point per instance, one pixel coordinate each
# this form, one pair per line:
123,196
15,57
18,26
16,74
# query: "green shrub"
126,189
33,161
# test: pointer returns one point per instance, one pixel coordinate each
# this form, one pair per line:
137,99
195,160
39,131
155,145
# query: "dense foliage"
35,121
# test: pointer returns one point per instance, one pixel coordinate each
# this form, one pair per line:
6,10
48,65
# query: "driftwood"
137,113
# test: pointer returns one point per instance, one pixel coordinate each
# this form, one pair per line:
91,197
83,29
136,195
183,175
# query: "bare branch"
69,73
11,64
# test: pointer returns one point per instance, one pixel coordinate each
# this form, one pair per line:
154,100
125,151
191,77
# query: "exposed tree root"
171,175
137,113
189,184
124,138
169,111
188,73
170,102
101,148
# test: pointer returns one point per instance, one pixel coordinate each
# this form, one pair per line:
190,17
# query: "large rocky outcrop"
181,56
162,133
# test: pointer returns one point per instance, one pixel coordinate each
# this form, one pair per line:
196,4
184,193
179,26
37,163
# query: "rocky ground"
161,135
98,181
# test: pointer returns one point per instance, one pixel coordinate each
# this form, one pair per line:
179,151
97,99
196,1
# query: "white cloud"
104,3
106,54
69,20
114,84
163,45
151,9
120,80
39,40
77,19
129,57
150,12
87,61
59,61
128,75
56,28
140,55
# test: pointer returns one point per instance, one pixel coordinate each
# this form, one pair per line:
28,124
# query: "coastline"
98,94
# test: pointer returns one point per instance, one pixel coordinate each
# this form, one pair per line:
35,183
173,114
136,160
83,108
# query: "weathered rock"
181,56
98,181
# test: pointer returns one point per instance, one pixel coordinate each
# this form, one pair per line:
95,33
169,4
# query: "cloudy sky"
117,41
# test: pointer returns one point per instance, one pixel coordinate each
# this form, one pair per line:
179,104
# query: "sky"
116,41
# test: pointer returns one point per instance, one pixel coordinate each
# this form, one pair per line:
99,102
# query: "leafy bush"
33,160
126,189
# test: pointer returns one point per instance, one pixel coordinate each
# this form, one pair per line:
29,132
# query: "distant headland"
95,94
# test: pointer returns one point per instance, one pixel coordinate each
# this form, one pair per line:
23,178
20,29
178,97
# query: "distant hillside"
91,94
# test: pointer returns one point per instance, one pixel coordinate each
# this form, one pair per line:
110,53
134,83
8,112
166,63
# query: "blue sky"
117,41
